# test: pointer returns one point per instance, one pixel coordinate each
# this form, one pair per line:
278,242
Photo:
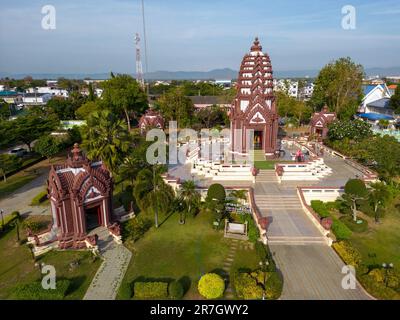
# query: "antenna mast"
139,68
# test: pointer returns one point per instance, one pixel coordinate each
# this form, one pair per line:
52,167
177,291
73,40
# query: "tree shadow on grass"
186,283
75,284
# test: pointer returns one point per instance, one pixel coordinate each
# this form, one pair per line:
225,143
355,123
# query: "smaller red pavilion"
151,119
320,121
80,193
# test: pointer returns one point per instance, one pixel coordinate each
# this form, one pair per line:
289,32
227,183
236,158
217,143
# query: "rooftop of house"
8,93
33,95
381,103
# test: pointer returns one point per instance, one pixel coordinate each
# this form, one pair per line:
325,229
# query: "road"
20,200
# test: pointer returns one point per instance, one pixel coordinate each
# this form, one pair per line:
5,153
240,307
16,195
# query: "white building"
30,99
373,93
1,87
50,90
287,85
224,83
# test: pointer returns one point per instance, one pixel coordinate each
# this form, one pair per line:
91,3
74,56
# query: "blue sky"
94,36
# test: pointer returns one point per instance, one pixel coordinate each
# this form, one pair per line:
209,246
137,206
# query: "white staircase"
268,176
277,202
300,240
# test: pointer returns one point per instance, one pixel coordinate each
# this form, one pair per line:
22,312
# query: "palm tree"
106,139
152,193
189,196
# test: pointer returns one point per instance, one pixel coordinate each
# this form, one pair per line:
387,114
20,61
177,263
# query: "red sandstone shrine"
80,193
254,107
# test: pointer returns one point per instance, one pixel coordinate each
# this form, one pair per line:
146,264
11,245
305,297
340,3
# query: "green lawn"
381,243
182,252
265,165
15,182
17,266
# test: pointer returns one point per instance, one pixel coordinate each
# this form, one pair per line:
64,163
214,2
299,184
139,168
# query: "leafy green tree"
289,107
175,106
395,100
123,95
212,116
351,129
152,193
339,85
378,198
215,200
355,190
105,138
5,110
47,146
190,197
8,162
31,126
86,109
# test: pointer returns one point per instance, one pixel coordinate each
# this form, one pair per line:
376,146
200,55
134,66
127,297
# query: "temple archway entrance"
93,217
258,140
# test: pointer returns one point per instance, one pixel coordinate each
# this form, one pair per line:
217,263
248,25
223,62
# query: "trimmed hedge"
247,287
340,230
175,290
253,232
348,253
273,286
150,290
34,291
39,198
211,286
320,208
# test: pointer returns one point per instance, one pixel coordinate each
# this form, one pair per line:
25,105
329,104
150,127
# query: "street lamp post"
264,265
387,266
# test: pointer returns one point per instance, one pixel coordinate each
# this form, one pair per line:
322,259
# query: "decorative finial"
75,152
256,45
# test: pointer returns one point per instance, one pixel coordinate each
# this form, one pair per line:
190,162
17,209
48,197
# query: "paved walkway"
312,272
108,278
282,207
20,199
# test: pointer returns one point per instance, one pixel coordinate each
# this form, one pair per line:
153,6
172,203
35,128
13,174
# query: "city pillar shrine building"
254,107
80,193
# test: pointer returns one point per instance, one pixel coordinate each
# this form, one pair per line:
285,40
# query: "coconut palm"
190,197
152,193
106,139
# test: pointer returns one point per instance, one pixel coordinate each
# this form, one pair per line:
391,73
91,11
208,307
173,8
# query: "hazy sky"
95,36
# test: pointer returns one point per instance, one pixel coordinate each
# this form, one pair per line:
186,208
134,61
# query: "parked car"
19,152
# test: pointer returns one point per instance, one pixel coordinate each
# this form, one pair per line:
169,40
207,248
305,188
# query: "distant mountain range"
217,74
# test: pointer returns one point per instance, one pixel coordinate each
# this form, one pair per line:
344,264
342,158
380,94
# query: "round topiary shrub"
211,286
175,290
355,187
216,191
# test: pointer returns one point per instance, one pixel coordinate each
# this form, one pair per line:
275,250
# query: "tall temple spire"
254,107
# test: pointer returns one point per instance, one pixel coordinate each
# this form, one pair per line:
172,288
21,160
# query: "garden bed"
181,252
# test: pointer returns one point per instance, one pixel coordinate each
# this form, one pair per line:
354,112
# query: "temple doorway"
258,135
93,217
